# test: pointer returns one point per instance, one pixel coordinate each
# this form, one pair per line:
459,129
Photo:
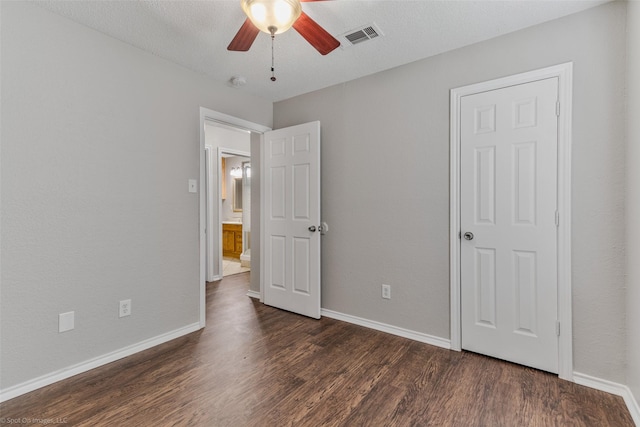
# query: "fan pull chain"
272,30
273,74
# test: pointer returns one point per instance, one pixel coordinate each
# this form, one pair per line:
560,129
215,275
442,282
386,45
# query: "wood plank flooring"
257,366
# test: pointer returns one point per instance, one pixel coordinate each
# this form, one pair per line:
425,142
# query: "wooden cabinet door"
232,240
238,242
228,242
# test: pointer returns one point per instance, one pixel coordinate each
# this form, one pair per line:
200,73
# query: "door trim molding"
225,119
208,184
564,73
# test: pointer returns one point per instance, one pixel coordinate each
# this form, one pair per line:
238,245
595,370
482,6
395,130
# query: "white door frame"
564,73
208,160
214,116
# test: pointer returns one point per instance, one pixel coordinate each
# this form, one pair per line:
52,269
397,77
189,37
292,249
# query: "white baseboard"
390,329
85,366
613,388
253,294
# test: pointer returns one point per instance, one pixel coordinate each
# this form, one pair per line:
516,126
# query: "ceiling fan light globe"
265,14
282,12
259,12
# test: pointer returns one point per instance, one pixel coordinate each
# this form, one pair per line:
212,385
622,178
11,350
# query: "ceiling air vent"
359,35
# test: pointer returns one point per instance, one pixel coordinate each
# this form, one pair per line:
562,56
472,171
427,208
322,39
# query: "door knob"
468,235
312,228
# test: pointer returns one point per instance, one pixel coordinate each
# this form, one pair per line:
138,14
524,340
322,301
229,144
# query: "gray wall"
403,114
98,142
633,199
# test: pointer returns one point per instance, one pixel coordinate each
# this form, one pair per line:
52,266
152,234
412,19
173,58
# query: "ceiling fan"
277,16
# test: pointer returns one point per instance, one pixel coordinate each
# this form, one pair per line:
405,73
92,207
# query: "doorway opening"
229,225
235,209
221,137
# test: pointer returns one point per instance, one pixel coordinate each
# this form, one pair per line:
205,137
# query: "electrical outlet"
386,291
125,307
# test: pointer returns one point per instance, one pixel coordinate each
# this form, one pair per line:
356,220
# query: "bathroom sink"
232,221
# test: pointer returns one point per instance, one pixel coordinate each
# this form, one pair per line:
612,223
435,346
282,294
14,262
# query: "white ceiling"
195,34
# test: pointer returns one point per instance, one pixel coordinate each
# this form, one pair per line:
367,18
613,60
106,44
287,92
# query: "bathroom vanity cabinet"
232,240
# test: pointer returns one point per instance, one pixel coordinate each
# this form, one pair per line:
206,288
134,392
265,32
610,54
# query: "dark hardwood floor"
254,365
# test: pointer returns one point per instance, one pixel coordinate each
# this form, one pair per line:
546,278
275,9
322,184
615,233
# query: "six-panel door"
292,210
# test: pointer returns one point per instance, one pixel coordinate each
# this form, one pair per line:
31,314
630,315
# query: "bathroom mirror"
237,194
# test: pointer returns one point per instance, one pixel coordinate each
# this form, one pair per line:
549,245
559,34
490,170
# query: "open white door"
291,235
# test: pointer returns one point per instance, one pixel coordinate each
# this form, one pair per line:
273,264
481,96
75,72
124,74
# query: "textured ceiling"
195,34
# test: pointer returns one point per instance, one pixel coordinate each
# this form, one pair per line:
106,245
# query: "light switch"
66,321
193,186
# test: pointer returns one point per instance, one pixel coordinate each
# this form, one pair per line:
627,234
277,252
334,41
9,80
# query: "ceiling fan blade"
317,36
244,37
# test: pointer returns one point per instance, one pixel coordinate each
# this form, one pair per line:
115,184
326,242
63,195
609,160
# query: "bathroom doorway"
235,208
228,200
220,132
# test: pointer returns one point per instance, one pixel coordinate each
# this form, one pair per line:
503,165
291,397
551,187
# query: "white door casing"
291,237
508,186
209,206
564,74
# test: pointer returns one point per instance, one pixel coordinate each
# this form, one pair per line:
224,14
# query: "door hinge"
557,327
558,108
557,219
